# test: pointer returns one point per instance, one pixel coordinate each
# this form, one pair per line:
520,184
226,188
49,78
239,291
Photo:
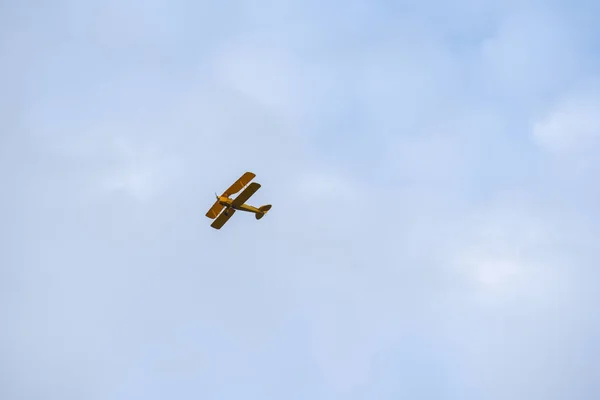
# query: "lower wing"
223,218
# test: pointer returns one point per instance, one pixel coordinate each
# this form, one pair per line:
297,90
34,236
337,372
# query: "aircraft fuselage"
227,202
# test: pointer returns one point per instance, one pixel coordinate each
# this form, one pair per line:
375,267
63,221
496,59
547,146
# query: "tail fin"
264,210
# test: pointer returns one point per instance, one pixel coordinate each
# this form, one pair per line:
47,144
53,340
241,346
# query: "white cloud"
384,138
508,253
572,126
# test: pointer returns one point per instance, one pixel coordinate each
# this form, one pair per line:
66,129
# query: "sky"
432,168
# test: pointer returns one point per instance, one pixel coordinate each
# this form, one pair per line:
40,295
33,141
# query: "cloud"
429,237
571,126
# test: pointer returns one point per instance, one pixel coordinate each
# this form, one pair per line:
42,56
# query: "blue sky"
432,168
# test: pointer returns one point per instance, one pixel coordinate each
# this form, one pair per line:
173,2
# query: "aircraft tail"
264,210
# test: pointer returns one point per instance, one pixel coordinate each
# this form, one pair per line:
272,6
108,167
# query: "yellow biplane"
229,206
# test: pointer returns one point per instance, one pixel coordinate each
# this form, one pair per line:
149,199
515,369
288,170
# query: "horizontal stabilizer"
264,210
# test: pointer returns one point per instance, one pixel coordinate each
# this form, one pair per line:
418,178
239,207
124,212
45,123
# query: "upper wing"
239,184
215,210
246,194
220,221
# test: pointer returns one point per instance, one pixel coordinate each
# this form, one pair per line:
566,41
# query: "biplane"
225,206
